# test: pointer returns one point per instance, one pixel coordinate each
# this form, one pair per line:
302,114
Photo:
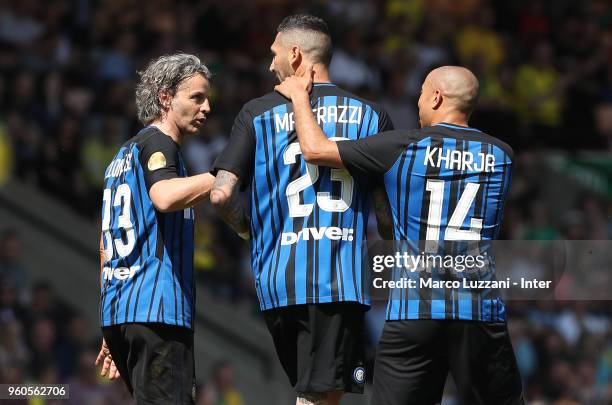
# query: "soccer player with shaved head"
447,184
307,222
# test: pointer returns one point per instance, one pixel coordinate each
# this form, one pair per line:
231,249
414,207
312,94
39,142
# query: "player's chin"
196,126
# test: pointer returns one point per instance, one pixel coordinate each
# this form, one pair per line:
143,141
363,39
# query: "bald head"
458,86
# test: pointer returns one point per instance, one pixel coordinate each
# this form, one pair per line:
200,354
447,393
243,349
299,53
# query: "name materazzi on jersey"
341,114
329,232
459,160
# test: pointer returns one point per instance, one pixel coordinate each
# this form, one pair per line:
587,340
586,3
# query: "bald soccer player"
445,182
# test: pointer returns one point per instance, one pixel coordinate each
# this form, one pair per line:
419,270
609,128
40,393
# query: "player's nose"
205,107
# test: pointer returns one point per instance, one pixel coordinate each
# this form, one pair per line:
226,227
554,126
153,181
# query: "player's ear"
436,101
165,100
295,57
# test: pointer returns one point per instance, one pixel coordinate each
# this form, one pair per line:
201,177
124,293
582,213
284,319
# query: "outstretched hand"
300,82
108,365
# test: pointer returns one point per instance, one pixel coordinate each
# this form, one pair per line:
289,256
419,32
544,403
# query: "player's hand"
108,365
298,83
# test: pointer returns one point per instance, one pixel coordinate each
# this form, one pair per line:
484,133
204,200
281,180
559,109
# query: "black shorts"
320,346
415,356
155,361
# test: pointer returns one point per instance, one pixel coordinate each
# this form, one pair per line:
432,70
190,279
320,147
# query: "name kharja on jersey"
445,184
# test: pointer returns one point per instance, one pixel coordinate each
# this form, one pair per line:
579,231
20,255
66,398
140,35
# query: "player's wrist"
299,95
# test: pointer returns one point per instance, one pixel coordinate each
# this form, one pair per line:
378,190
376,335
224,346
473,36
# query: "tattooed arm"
228,205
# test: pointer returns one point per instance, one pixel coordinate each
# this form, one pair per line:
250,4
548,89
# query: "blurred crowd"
68,69
45,341
67,74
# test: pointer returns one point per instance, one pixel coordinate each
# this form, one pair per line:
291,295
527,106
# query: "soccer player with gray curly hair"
146,246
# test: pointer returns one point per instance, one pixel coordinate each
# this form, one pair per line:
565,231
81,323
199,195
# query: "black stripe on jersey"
487,186
314,244
310,289
500,202
127,305
277,196
114,308
408,181
114,302
153,291
146,234
478,202
171,253
261,226
336,253
290,270
298,222
425,294
102,300
398,204
142,277
269,182
160,309
139,243
159,243
482,180
335,286
359,292
370,116
182,265
315,256
140,199
450,296
402,191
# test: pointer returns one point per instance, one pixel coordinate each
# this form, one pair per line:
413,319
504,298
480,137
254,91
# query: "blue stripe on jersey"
405,183
298,260
161,287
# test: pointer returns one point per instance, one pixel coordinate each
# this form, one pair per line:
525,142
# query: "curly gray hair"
164,74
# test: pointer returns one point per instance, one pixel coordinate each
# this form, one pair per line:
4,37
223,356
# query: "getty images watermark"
519,270
461,271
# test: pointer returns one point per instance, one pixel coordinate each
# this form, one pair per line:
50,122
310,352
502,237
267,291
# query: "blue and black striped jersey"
148,272
307,222
444,183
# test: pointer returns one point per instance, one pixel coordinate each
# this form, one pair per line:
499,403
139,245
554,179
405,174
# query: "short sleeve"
373,155
159,158
384,121
239,153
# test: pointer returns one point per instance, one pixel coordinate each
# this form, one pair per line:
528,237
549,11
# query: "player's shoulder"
260,105
468,134
404,136
151,137
330,89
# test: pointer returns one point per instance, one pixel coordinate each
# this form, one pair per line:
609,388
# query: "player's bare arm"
315,146
182,192
229,207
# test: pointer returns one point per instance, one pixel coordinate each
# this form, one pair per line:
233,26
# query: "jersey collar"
459,127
